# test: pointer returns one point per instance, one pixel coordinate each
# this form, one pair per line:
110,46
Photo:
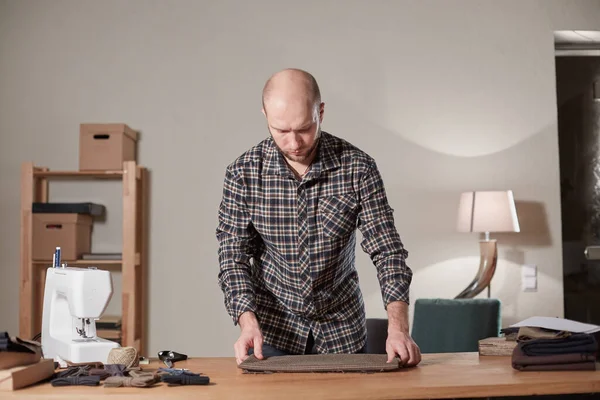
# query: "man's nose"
294,142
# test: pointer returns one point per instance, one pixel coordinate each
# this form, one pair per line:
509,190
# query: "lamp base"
487,267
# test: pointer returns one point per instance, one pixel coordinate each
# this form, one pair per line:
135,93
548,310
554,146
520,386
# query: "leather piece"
321,363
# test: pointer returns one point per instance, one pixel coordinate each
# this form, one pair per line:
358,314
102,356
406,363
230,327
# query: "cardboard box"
106,146
71,232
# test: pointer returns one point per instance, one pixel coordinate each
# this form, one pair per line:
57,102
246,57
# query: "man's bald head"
291,84
294,112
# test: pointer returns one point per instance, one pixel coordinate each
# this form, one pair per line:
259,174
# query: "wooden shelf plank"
91,261
114,174
109,265
81,262
110,334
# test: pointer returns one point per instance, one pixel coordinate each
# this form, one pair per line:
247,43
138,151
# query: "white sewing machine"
73,299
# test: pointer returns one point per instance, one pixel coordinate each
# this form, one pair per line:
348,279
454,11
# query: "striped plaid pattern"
287,247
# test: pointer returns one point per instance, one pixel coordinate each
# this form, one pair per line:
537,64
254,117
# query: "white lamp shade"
487,211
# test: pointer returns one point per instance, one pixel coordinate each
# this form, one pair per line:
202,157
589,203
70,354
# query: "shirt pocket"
337,214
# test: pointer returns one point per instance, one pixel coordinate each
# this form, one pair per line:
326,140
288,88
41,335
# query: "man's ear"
321,112
263,111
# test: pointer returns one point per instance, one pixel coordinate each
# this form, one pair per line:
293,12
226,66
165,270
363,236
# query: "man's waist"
342,329
316,306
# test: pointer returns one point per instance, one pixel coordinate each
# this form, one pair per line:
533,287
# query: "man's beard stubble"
298,158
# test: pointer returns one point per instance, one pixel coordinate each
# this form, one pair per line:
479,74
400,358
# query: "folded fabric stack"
113,375
540,349
119,375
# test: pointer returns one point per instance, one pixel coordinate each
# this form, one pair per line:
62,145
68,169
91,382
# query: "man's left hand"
401,344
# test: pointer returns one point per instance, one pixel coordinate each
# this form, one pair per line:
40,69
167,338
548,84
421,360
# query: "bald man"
287,236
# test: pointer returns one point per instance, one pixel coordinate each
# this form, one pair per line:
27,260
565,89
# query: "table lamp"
485,212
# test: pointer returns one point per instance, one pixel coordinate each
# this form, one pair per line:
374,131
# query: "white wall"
447,96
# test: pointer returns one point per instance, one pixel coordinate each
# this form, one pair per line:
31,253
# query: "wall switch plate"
529,278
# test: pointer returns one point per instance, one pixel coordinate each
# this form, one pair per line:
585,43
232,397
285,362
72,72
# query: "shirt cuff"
239,306
395,292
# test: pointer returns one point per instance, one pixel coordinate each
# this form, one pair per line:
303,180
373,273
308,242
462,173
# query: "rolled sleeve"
235,235
381,239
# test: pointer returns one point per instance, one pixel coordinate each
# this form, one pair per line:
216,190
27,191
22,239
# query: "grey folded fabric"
74,371
321,363
552,362
81,380
575,343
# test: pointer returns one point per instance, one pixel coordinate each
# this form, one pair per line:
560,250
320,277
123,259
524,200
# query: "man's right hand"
250,338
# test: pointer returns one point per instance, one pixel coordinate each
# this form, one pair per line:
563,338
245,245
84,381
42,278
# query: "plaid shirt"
287,247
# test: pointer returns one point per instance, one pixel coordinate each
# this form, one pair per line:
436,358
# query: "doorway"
577,57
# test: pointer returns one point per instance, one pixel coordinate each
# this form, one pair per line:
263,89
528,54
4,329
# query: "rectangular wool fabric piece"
321,363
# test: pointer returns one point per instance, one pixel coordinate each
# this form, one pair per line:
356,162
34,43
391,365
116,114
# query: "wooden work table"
449,375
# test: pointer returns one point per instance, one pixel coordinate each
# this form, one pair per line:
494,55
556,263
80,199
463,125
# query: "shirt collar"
328,158
274,163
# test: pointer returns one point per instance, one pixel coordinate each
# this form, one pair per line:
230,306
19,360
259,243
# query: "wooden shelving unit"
133,265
